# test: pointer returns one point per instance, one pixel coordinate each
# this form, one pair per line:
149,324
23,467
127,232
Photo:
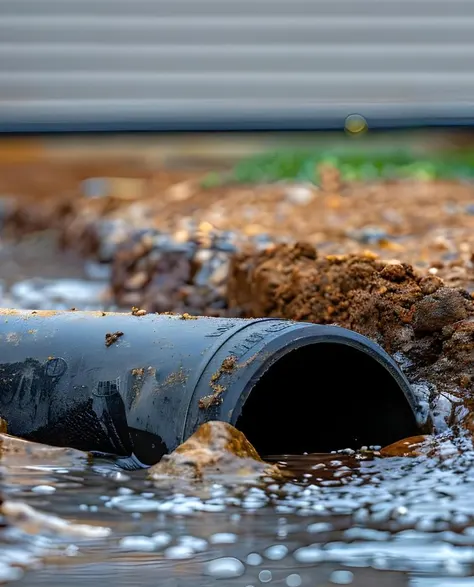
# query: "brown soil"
214,399
111,338
414,316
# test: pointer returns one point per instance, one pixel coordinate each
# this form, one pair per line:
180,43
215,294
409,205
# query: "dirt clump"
442,308
112,337
215,398
216,448
426,326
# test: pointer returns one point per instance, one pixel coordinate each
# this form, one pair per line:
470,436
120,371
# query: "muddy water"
345,519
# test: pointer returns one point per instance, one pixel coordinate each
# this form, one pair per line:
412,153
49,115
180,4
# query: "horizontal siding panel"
120,60
313,59
244,30
231,8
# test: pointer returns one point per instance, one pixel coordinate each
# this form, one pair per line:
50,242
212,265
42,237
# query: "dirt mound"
426,326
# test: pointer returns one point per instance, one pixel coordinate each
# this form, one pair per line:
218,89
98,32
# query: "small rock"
300,195
409,447
369,235
215,448
446,306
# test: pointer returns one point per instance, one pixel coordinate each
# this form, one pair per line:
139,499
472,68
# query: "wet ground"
348,518
33,274
344,521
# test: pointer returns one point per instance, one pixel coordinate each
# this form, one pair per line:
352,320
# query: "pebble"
369,235
225,568
300,195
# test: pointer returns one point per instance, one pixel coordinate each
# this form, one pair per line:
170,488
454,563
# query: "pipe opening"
324,397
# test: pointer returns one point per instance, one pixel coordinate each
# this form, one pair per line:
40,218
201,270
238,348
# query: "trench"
319,398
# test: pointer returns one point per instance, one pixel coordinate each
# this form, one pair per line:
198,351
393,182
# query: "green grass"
353,165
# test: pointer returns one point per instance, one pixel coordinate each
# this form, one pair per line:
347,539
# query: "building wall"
177,63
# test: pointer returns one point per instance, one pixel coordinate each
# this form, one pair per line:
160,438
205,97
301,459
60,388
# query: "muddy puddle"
348,518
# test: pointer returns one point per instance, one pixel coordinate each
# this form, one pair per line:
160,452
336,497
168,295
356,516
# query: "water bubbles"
137,543
182,509
43,489
356,533
254,559
276,552
265,576
180,552
225,568
308,554
293,580
320,527
124,491
9,573
223,538
161,539
341,577
196,544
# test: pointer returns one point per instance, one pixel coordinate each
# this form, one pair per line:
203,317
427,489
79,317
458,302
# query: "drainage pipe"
138,386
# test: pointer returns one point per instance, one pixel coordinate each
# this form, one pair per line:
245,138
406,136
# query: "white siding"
166,63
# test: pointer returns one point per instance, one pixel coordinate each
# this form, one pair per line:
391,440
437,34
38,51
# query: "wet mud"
427,327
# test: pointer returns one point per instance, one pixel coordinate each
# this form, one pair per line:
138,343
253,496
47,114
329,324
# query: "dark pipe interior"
325,397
